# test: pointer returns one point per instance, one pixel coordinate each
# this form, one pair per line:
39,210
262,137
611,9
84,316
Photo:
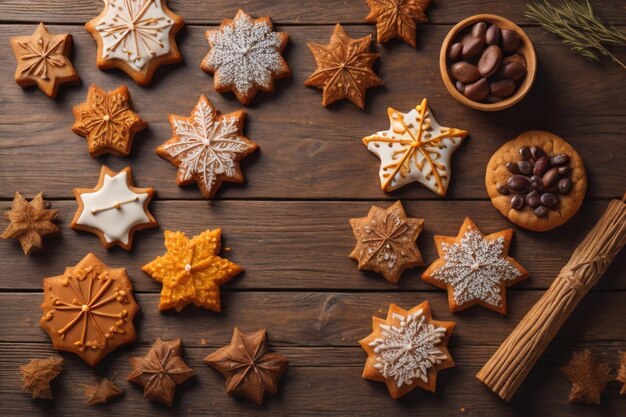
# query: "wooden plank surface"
288,225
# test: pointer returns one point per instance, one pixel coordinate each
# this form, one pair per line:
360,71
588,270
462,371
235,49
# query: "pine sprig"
579,27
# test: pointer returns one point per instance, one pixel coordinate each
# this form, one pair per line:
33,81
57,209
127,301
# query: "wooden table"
288,225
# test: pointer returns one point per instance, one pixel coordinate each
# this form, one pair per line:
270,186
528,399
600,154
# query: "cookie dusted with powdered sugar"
245,56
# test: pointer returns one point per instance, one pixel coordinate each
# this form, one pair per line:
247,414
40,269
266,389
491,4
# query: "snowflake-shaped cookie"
415,148
136,36
245,56
474,268
206,147
407,349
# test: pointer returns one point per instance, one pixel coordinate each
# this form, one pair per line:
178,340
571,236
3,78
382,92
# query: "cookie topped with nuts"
537,180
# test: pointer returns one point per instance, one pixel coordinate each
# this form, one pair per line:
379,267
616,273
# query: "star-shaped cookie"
136,36
191,271
160,370
588,377
206,147
30,222
407,349
621,372
474,268
107,121
114,209
344,68
245,56
397,18
102,392
415,148
43,60
248,366
386,241
37,375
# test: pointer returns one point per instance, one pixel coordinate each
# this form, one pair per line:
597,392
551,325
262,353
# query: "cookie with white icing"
474,268
415,149
245,56
407,349
136,36
114,209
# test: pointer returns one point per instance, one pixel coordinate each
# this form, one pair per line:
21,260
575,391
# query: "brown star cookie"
344,68
136,36
43,60
89,310
397,18
107,121
30,222
537,180
102,392
407,349
114,209
248,367
621,372
37,375
588,377
160,370
386,241
245,56
207,147
474,268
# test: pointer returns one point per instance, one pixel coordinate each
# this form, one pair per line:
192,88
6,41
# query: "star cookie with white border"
114,209
474,268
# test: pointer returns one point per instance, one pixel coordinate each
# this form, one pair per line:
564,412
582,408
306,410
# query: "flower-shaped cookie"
30,222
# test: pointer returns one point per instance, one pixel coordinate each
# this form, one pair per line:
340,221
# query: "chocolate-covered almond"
559,159
550,177
536,183
464,72
533,199
472,46
489,61
525,167
564,185
455,51
502,88
502,189
510,41
511,70
518,183
536,152
517,202
524,152
541,211
513,168
493,35
478,90
564,170
479,29
541,166
548,199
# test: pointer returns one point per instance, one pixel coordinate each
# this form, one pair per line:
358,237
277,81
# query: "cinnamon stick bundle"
505,371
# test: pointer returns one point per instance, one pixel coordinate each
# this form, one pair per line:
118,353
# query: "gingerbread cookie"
89,310
107,121
207,146
114,209
344,68
245,56
386,241
588,377
397,18
43,60
537,180
38,374
30,222
415,148
407,349
136,36
474,268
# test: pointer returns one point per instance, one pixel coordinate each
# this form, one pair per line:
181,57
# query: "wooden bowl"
527,49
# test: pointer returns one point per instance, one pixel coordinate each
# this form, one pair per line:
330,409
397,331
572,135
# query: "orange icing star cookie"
344,68
474,268
107,121
206,147
397,18
407,349
191,271
43,60
386,241
136,36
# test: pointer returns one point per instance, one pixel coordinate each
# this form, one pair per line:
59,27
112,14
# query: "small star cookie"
191,271
245,56
206,147
136,36
397,18
37,375
407,349
474,268
588,377
114,209
30,222
107,121
344,68
104,391
43,60
386,241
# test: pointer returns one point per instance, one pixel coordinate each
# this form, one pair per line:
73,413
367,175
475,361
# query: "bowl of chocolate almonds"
487,62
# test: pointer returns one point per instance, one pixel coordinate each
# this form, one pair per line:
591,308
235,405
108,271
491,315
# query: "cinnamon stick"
505,371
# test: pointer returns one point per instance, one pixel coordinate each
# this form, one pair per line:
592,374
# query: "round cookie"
498,175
